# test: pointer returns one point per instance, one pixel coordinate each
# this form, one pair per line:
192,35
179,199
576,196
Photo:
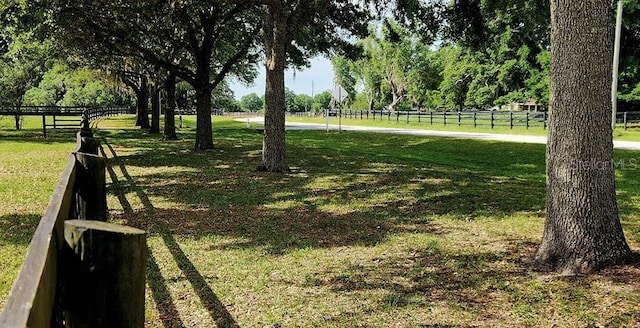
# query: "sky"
318,77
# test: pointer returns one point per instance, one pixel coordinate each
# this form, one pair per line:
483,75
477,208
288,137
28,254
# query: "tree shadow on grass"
162,297
341,197
17,229
346,195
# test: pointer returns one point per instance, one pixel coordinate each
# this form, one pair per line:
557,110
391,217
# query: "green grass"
30,167
368,230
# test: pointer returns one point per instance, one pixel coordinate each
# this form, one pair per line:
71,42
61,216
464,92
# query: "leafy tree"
64,86
293,31
289,100
582,230
223,99
538,81
197,41
22,66
251,103
304,103
459,69
424,77
346,74
629,76
322,100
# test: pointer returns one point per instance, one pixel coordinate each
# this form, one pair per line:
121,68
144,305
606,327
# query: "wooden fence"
491,119
80,271
62,117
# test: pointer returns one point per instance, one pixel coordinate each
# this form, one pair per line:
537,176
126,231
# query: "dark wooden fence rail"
471,118
99,112
80,271
61,116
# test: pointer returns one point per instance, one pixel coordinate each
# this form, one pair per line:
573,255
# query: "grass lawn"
367,231
30,167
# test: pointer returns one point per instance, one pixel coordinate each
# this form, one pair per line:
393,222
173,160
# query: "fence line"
79,271
492,119
62,117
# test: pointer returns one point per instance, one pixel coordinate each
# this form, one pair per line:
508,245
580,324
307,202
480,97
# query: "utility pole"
616,65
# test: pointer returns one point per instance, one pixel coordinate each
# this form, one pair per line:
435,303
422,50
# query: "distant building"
531,106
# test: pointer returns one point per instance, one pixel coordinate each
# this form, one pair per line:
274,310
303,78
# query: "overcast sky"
320,74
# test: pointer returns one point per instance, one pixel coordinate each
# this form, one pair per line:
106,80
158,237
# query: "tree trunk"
18,121
155,110
273,147
142,104
582,230
170,110
204,133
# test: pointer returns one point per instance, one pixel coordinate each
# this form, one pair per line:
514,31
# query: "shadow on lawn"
162,297
428,277
61,137
381,193
17,229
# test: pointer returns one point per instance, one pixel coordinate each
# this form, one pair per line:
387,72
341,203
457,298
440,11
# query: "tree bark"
18,120
582,230
273,146
204,133
170,110
155,110
142,104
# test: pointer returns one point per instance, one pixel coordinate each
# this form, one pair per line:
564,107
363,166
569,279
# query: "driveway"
629,145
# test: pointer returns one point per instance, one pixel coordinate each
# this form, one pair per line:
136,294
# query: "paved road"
630,145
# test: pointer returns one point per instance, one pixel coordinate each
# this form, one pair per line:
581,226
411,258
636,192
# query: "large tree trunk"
142,104
170,110
204,133
155,110
582,230
273,147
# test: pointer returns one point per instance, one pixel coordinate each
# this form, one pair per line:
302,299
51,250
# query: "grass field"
367,231
29,170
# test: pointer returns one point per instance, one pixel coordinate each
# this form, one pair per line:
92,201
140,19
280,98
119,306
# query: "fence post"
104,266
408,113
419,112
511,120
492,119
475,119
431,117
544,120
527,120
444,118
397,116
459,118
44,125
625,121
